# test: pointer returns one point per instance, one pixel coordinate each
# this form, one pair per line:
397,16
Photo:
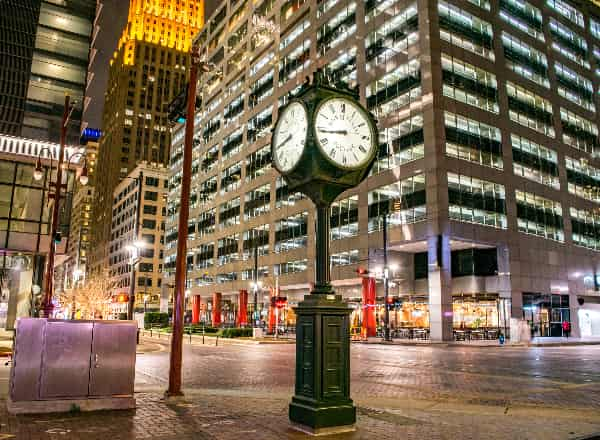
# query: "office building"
141,245
44,49
73,268
488,170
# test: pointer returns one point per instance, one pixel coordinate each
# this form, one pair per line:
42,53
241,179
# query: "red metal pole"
47,305
242,318
216,309
184,213
196,309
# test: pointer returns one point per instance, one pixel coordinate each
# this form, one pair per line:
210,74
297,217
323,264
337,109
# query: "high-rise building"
488,171
44,48
73,267
144,250
148,70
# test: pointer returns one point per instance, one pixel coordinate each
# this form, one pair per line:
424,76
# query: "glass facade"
545,313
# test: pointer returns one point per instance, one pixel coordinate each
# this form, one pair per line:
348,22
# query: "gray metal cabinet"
66,360
113,359
57,360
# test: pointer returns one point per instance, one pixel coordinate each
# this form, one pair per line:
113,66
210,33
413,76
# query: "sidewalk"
535,342
549,342
234,414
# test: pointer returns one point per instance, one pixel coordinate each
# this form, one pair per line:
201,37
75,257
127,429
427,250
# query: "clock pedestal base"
321,403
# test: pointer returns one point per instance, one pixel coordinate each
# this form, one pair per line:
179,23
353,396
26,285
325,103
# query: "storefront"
545,313
588,315
480,316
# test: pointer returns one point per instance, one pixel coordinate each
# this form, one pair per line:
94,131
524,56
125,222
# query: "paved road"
401,392
558,377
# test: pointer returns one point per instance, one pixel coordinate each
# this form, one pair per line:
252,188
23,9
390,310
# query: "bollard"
217,341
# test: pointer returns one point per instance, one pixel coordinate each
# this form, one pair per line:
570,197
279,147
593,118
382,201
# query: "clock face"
289,137
344,133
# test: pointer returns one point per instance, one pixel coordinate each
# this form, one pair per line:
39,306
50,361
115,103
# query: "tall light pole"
175,361
136,237
38,174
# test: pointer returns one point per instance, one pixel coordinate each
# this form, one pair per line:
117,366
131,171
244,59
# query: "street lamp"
134,250
256,287
137,243
38,174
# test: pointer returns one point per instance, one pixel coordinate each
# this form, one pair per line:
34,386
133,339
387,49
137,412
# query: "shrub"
237,333
153,318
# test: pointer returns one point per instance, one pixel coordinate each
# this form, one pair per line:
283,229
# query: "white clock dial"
289,138
344,132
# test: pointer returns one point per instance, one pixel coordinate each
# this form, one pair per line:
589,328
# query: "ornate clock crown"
322,77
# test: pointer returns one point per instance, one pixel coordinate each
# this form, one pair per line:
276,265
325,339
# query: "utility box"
61,365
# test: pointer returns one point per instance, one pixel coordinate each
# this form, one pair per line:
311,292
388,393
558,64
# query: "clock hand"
287,139
325,130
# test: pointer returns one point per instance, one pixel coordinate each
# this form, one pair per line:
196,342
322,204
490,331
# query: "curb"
213,340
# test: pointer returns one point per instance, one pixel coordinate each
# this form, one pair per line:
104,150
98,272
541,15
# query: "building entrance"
545,313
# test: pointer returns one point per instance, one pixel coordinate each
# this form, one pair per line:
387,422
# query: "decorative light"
38,173
83,177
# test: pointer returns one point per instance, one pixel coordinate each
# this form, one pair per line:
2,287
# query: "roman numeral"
361,148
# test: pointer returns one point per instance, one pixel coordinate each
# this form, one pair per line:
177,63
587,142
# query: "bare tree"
91,299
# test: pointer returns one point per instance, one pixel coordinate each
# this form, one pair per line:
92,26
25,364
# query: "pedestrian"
566,326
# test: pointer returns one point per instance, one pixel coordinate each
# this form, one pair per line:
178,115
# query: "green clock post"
324,142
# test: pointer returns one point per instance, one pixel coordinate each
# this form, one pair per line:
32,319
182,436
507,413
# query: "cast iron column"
323,275
184,213
47,305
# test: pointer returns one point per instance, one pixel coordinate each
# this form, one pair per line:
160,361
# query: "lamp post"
136,243
175,360
38,174
134,250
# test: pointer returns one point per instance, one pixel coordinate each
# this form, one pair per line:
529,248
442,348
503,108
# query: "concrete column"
440,288
216,309
196,309
242,314
369,292
574,318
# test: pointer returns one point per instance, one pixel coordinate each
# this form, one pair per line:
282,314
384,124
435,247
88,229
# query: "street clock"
324,143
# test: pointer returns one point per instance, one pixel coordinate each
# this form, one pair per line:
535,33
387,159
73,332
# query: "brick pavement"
229,416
